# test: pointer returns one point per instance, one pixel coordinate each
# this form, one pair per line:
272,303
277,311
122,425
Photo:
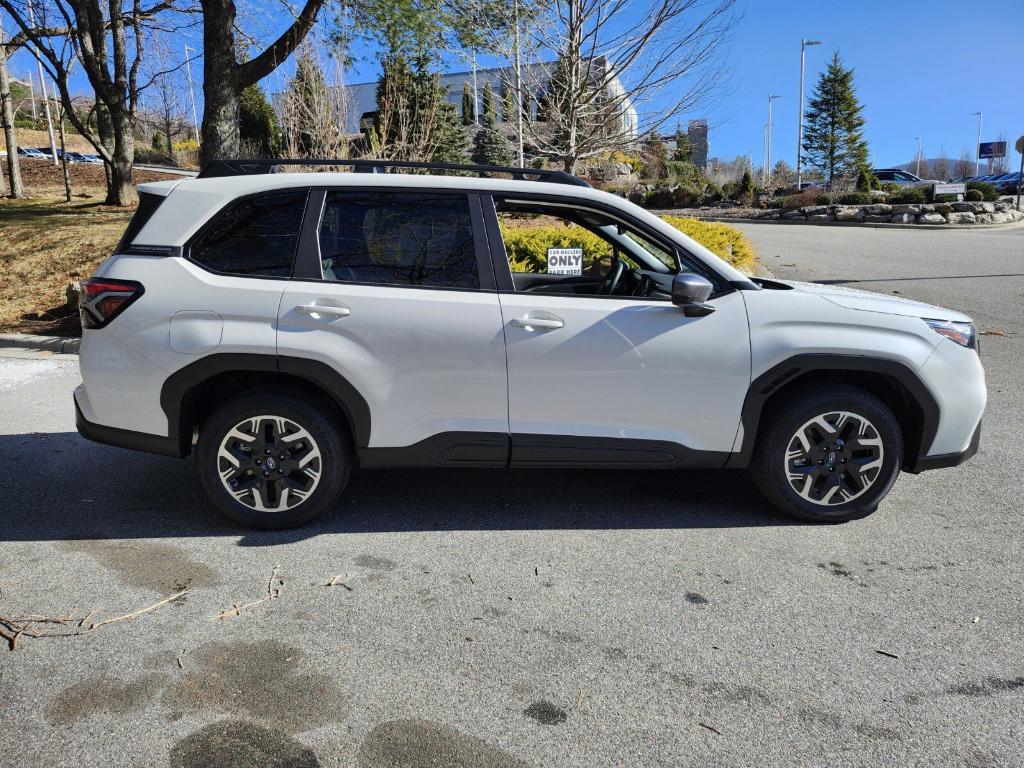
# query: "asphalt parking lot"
491,620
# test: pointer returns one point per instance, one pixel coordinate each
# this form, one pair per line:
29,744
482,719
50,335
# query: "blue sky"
921,69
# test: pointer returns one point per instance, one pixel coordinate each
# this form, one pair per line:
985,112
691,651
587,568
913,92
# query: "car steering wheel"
614,276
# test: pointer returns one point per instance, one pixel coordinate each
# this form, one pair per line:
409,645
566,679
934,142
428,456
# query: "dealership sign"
988,150
949,189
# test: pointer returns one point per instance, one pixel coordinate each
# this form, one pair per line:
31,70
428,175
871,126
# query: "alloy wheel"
834,458
269,463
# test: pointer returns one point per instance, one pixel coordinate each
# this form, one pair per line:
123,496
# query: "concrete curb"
61,345
869,225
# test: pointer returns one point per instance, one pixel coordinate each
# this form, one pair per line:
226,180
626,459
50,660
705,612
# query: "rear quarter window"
255,236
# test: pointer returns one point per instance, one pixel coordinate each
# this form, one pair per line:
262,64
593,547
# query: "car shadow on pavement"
58,486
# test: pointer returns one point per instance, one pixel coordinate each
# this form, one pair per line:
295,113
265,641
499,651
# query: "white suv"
288,328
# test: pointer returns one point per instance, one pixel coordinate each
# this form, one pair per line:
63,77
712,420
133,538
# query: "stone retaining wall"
962,213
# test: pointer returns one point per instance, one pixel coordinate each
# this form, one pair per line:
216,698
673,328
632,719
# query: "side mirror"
690,292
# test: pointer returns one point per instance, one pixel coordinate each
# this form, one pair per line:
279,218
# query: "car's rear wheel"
272,460
828,454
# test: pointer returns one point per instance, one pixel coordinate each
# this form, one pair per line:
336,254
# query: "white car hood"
867,301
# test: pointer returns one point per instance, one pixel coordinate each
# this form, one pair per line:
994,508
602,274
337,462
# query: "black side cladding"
148,203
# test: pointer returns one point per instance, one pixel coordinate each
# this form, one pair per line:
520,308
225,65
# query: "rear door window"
254,236
411,239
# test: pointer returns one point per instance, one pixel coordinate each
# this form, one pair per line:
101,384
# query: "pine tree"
683,152
451,137
508,104
745,192
490,147
468,111
310,114
834,140
488,107
257,120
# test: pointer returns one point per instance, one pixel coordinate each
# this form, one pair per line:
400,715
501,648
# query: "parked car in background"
903,178
32,152
89,157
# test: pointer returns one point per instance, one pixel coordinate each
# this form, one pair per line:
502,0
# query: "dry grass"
47,243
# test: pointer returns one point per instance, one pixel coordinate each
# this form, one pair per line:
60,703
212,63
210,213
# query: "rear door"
395,291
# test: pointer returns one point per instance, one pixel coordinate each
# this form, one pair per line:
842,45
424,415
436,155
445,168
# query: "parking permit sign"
565,261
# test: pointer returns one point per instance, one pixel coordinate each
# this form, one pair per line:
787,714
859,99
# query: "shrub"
684,172
866,180
855,198
527,246
822,200
659,197
908,195
988,191
974,195
724,241
150,155
712,194
943,199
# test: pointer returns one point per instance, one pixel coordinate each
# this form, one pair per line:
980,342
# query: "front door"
400,307
602,367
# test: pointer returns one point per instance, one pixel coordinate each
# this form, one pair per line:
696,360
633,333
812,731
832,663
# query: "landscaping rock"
849,213
984,218
878,209
905,208
931,218
961,217
987,207
814,210
1000,217
1002,206
902,218
820,217
927,208
796,214
878,218
944,208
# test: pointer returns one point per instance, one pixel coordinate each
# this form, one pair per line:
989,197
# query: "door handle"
325,310
541,323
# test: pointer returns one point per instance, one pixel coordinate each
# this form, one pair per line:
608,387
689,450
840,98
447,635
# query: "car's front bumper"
943,460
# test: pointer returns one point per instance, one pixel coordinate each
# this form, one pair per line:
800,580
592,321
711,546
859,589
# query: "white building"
361,98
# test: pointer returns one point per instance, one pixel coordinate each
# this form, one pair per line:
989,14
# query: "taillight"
102,300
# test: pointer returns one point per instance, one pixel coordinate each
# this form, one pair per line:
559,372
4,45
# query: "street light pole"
42,91
804,45
768,142
192,94
977,147
917,167
519,88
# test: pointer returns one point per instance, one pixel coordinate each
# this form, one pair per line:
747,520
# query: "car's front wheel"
828,454
272,460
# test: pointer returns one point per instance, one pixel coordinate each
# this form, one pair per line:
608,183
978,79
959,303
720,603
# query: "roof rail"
246,167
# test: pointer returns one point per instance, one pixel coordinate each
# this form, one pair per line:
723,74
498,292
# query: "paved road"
565,619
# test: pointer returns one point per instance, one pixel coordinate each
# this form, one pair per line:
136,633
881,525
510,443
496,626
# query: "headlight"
962,333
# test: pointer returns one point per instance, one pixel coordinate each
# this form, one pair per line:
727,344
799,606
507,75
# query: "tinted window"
398,238
256,236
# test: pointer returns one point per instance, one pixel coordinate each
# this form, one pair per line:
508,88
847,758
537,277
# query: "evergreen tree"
508,104
488,106
683,152
257,120
451,137
468,111
655,157
490,147
409,105
834,140
745,191
309,106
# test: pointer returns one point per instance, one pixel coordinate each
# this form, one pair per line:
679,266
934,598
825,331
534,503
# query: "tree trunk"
63,155
7,120
221,92
120,191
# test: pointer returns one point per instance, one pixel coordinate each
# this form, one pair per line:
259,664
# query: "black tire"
781,461
327,449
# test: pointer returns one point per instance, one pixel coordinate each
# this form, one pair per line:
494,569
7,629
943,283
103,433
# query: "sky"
921,69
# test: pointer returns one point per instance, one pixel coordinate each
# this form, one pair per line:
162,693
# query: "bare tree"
964,165
7,120
314,110
167,96
621,69
108,41
940,166
1001,164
